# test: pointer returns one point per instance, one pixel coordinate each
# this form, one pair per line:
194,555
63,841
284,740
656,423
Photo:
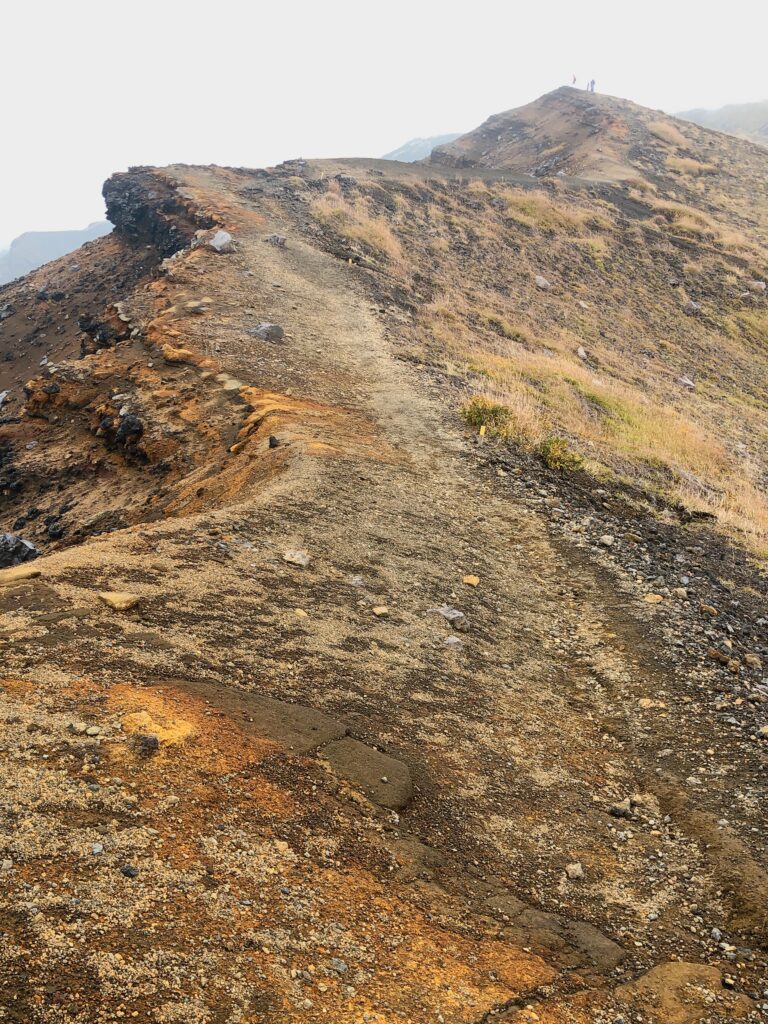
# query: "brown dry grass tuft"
534,210
684,165
356,222
667,133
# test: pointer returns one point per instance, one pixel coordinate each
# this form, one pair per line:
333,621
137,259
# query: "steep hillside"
648,348
749,120
34,248
341,689
419,149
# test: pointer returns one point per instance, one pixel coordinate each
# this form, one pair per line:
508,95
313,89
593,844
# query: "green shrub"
495,417
558,454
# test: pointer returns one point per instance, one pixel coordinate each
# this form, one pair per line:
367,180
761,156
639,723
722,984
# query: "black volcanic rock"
14,550
146,209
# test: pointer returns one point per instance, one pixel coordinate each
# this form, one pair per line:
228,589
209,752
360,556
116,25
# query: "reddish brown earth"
268,791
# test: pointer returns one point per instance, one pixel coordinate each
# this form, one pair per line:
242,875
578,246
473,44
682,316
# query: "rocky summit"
382,604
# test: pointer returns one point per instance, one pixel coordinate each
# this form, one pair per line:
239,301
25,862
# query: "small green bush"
495,417
558,454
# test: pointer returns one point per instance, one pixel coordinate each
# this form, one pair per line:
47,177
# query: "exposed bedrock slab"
296,727
380,777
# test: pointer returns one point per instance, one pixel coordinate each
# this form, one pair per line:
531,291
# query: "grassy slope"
687,223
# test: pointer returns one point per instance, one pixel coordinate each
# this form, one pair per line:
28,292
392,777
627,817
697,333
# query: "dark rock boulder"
268,332
14,550
145,207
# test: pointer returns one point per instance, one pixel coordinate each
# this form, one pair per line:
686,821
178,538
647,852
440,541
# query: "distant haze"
418,149
747,119
89,88
34,248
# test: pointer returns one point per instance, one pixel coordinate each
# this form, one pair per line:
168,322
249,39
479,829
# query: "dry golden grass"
356,222
743,509
667,133
754,323
685,220
512,411
550,391
499,324
684,165
736,240
640,185
538,211
678,213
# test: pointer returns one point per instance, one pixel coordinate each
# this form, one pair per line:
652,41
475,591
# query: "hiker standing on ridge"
591,86
574,80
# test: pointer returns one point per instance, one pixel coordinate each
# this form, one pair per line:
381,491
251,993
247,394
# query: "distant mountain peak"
419,149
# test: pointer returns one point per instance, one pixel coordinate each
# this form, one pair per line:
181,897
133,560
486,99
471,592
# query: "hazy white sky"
89,88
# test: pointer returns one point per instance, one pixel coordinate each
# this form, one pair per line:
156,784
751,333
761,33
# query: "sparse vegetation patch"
355,221
684,165
667,132
558,454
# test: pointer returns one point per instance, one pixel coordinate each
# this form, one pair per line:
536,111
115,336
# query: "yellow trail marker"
482,431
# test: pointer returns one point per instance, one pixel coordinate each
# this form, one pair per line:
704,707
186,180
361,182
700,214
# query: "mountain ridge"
563,129
394,647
